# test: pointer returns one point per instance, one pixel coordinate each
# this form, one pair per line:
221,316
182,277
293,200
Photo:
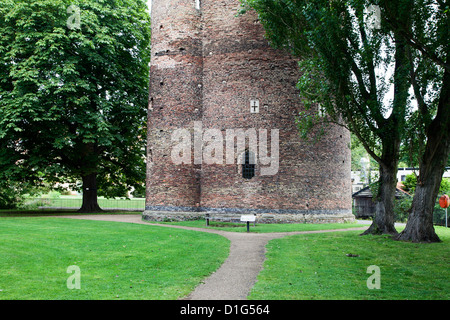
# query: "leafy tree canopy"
73,91
380,68
348,54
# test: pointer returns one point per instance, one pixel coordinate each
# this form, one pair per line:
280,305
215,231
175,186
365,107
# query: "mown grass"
116,260
317,266
130,261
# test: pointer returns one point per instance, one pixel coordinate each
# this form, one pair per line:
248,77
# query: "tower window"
248,167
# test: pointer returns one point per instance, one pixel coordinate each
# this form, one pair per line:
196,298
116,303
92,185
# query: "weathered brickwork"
207,66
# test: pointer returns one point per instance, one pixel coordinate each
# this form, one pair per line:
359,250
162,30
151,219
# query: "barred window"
248,167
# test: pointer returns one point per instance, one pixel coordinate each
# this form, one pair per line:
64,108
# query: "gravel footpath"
237,275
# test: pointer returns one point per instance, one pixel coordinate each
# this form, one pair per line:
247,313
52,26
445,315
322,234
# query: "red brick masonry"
207,66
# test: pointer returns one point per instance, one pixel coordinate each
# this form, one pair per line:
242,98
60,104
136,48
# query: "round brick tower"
175,102
215,79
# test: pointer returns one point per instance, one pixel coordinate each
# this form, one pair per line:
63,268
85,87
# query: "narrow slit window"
248,167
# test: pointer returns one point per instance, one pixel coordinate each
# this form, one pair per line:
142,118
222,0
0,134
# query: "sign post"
444,202
248,219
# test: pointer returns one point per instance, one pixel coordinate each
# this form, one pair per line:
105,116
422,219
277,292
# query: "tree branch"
405,33
423,107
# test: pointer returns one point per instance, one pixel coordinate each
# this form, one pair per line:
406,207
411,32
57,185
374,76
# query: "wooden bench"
244,218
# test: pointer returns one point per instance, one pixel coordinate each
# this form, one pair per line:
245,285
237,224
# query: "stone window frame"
242,165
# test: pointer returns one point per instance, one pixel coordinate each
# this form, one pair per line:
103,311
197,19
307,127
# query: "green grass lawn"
316,266
131,261
116,260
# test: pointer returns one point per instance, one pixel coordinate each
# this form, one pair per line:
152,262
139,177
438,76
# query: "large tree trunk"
419,227
90,203
383,222
390,134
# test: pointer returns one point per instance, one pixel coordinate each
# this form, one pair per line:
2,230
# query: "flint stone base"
234,215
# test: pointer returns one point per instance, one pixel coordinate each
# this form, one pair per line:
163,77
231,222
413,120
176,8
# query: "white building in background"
403,172
361,179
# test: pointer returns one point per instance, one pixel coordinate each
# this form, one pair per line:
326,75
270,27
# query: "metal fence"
69,203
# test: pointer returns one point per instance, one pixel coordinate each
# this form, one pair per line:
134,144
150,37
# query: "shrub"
402,209
403,206
439,215
11,195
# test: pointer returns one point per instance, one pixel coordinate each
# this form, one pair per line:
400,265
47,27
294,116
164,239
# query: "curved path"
237,275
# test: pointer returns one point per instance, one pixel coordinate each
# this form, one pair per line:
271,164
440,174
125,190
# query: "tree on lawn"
429,129
347,50
73,93
345,54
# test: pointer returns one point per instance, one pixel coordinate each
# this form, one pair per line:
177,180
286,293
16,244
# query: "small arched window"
248,167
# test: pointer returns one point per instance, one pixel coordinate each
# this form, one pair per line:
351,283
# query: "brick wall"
175,100
212,64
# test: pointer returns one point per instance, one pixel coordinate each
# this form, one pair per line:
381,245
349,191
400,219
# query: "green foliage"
358,152
346,65
411,182
343,64
439,216
73,100
387,81
445,186
402,209
403,206
11,196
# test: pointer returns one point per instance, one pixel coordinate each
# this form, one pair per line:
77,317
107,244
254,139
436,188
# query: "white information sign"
248,218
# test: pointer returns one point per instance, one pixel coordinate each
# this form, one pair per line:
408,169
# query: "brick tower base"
262,216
